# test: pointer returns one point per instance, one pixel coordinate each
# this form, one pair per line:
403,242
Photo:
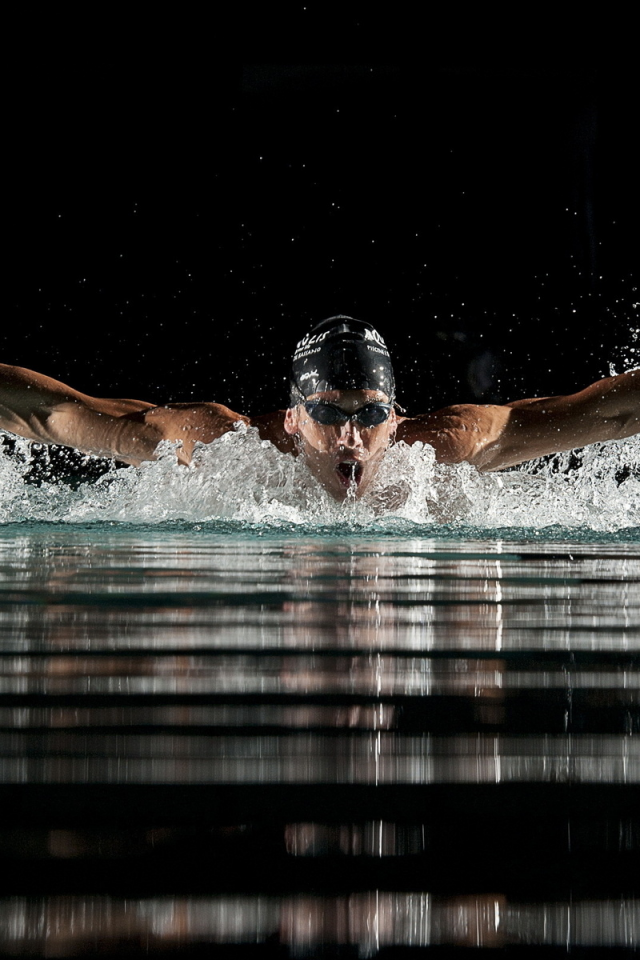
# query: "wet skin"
344,457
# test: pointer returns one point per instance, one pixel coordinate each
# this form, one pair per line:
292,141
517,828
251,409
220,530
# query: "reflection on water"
307,758
369,920
417,672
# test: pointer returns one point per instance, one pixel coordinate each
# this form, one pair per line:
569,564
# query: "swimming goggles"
328,414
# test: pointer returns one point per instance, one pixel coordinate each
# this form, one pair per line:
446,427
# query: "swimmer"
342,416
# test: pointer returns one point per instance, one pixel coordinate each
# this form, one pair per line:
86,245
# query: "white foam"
239,477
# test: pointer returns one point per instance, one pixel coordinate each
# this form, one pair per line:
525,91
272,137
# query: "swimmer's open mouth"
349,471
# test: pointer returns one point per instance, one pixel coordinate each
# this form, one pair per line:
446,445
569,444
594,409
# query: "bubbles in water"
242,478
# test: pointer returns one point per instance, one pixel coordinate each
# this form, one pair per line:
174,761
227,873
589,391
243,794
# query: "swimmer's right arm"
39,408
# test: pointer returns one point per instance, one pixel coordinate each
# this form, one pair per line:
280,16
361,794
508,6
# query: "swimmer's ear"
291,421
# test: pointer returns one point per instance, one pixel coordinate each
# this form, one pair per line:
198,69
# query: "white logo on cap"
374,335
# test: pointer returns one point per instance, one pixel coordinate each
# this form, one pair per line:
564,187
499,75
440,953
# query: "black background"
185,200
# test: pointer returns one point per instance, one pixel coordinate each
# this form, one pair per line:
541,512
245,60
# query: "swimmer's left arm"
607,410
496,437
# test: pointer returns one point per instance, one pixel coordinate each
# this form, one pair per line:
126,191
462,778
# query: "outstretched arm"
607,410
495,437
39,408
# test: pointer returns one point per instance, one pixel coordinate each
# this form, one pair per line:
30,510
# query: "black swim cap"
341,353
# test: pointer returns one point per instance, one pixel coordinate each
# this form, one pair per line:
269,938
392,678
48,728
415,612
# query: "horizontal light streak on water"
433,581
375,675
313,758
305,743
77,634
379,716
356,592
370,920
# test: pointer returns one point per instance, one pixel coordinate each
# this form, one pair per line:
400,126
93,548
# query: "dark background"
181,207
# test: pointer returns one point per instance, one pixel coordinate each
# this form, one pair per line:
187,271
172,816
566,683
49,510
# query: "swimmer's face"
344,455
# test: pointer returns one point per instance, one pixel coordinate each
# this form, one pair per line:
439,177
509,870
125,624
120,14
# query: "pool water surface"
318,739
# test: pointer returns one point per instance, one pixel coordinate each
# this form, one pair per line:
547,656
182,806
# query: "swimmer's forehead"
350,399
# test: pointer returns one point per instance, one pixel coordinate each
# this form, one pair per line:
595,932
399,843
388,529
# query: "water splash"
627,354
241,478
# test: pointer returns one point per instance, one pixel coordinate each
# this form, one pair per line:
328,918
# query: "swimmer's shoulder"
457,433
271,427
188,423
202,422
207,421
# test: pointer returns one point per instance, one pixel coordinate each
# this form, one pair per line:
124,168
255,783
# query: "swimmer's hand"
492,437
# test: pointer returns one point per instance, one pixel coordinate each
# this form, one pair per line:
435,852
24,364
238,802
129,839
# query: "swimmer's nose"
350,428
350,434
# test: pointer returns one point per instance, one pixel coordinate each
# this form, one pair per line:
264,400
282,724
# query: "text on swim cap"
308,340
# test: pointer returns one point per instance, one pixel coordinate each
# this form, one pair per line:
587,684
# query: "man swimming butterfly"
342,416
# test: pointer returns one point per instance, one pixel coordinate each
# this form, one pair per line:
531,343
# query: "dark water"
309,743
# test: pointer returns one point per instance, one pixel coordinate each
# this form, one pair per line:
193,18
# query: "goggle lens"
328,414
